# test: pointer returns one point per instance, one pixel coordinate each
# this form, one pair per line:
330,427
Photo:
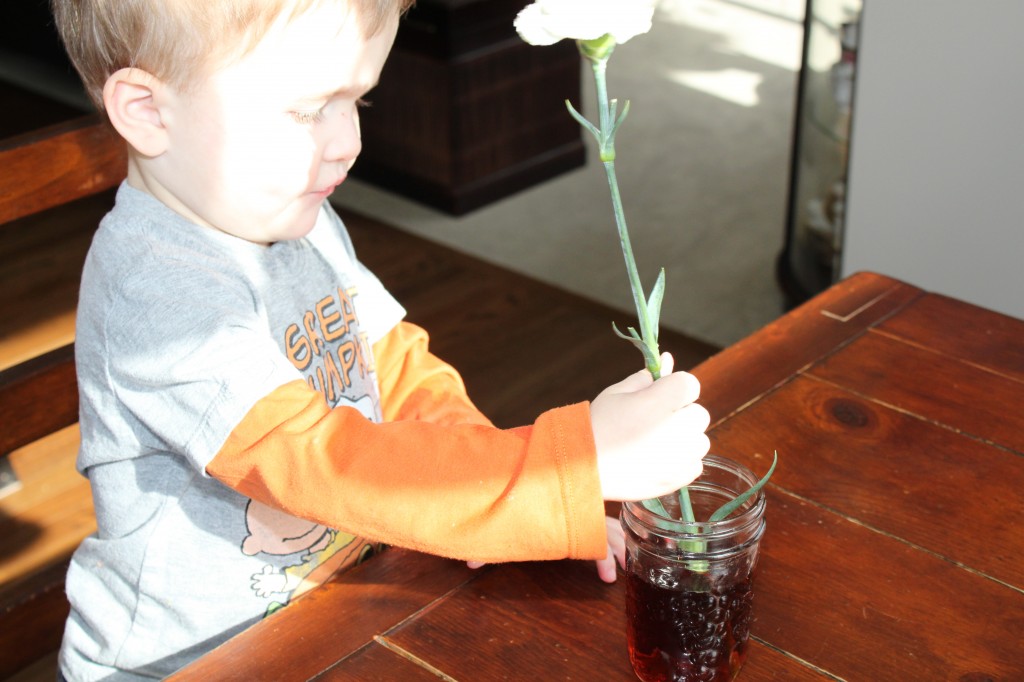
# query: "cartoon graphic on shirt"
321,552
335,358
328,347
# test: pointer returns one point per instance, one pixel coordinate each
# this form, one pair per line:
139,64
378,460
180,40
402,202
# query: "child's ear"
132,102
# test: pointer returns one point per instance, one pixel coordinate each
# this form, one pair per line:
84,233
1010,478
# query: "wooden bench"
45,505
48,513
55,183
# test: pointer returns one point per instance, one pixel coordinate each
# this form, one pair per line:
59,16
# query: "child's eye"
308,117
311,117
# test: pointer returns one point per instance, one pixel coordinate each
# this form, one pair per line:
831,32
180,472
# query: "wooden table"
895,541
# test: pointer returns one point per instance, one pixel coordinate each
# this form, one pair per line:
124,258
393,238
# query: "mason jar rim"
670,532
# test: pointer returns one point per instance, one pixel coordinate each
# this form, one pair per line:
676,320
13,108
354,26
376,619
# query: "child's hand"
649,434
616,552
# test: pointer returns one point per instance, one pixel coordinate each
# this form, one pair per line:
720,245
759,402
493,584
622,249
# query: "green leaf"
583,121
614,118
685,506
654,504
654,303
622,116
730,507
651,358
633,337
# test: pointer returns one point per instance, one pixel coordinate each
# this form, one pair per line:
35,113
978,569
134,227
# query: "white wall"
936,184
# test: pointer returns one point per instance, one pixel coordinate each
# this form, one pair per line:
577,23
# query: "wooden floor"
521,346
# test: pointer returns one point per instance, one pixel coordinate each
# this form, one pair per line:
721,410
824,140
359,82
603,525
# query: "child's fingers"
687,469
668,363
692,417
606,568
631,384
675,391
616,539
616,551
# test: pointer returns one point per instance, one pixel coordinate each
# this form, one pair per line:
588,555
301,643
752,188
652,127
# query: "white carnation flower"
547,21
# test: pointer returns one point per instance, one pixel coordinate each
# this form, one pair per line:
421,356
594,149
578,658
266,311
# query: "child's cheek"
294,161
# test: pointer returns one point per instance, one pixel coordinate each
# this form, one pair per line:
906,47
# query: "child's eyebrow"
347,90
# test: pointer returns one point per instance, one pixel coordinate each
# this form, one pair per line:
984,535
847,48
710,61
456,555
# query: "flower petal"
548,21
530,25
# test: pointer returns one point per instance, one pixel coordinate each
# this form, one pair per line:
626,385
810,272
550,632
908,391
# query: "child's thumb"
676,390
631,384
668,363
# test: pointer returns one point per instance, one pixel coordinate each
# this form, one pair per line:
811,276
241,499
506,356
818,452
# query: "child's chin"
292,235
300,227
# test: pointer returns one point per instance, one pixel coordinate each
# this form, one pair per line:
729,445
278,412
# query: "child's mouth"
326,191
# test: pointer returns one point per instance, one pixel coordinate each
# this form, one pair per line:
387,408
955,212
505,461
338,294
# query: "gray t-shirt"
181,330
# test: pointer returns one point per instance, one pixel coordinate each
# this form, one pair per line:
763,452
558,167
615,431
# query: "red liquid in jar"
686,636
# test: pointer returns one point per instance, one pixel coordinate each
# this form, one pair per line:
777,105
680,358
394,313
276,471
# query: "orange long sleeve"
455,486
415,384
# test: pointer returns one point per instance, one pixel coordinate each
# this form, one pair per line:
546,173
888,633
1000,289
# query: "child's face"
256,148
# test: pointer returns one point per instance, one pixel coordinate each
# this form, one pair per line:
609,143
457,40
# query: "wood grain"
37,398
43,521
378,663
931,385
982,337
762,361
33,612
58,164
335,620
940,489
862,605
552,620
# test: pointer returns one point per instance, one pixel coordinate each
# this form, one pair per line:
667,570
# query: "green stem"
685,506
648,335
607,139
606,143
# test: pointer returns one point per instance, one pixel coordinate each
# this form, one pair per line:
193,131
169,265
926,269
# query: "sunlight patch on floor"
731,85
767,32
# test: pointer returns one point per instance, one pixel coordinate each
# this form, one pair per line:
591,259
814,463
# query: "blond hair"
175,40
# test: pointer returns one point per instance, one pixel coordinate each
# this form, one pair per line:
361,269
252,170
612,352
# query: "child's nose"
344,141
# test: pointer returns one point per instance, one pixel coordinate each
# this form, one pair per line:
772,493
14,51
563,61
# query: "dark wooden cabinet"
466,113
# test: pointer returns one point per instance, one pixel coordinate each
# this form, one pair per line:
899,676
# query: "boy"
255,414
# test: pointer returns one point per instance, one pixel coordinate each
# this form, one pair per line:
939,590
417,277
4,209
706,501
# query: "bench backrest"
58,164
41,170
37,398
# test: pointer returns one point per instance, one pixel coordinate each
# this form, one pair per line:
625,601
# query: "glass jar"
689,586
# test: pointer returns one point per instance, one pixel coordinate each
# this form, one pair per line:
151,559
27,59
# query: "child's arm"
416,384
606,566
468,490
